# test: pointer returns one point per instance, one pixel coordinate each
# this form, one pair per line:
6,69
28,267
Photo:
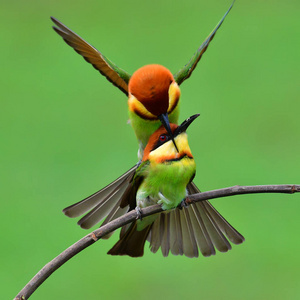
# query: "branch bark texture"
93,237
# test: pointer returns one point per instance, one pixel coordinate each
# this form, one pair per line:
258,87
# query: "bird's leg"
139,213
182,204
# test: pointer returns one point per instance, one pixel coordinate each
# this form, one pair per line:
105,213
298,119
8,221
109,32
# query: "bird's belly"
166,183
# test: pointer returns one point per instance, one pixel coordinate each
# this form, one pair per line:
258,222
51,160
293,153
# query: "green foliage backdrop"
64,136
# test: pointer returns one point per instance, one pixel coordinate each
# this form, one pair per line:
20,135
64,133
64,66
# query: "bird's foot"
139,213
182,204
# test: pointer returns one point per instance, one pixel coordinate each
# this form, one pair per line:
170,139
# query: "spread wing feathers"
182,232
103,203
115,213
131,243
187,70
114,74
232,234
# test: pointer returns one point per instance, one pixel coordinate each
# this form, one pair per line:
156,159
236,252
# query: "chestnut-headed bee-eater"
164,176
153,91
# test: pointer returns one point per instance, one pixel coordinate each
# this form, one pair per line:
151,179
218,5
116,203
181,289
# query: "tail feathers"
199,226
100,203
131,242
215,234
232,234
176,232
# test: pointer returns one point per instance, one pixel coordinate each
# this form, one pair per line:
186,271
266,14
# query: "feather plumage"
188,69
181,231
197,226
112,72
106,199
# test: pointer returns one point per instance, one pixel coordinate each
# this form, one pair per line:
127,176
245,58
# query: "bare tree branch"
93,237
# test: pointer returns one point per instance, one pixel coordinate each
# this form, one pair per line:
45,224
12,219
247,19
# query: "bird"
163,176
153,91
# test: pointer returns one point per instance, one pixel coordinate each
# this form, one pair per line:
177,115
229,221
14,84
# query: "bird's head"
160,147
153,94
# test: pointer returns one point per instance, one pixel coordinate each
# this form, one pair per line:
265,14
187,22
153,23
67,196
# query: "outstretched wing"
104,203
114,74
187,70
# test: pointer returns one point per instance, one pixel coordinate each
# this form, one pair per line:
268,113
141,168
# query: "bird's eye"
163,138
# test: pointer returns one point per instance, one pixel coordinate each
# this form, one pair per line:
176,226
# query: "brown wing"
105,202
114,74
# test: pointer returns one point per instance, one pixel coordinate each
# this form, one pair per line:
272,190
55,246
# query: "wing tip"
179,78
83,224
67,212
55,21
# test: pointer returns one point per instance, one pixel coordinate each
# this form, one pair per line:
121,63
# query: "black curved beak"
166,123
185,124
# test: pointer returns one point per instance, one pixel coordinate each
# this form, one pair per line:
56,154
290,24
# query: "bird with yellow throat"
153,91
163,177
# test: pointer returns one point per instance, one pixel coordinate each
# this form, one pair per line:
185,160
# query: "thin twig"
91,238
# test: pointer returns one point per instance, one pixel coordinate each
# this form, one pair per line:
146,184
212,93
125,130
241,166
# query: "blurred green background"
64,136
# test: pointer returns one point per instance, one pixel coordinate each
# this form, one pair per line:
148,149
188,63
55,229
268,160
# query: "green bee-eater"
153,91
164,176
